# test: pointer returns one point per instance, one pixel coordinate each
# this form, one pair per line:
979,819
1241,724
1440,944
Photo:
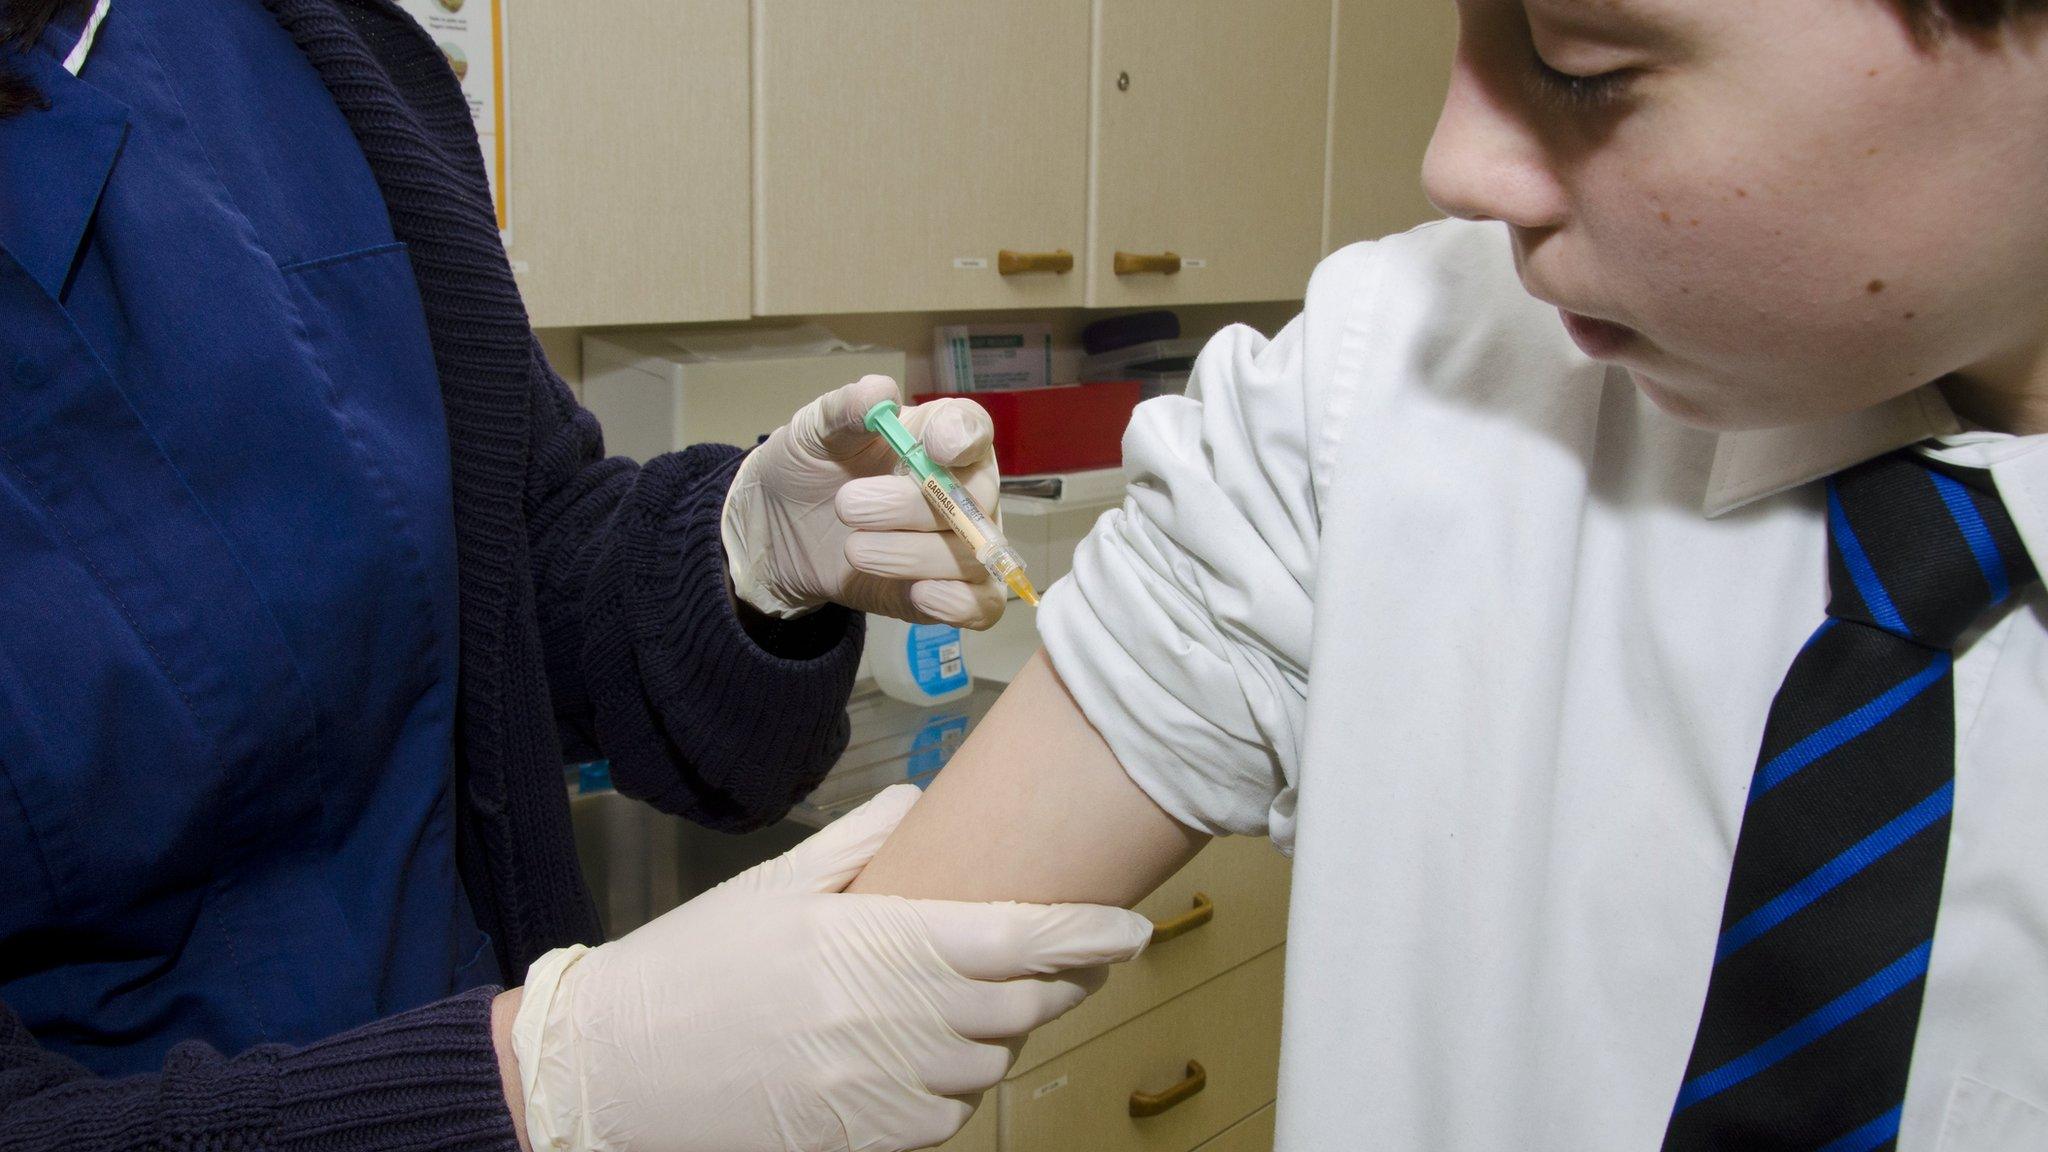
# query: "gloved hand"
815,514
777,1014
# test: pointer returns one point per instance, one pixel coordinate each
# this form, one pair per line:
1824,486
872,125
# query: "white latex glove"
776,1013
815,514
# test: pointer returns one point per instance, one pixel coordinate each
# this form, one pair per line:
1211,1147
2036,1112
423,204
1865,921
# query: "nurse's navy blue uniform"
228,652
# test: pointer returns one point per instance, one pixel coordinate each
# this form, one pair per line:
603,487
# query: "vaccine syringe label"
963,514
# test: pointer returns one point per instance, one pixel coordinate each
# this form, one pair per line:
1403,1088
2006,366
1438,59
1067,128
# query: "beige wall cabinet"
1208,144
902,145
628,187
1393,65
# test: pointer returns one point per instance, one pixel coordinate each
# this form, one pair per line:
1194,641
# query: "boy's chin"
1675,402
1707,408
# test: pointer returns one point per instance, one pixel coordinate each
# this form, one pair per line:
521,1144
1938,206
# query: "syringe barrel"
967,517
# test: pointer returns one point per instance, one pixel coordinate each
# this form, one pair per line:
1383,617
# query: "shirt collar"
1749,466
2019,466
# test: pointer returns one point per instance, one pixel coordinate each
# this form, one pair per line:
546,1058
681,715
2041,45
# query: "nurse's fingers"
896,503
832,426
975,605
934,1121
830,859
1004,1009
913,556
886,503
1001,941
966,1070
954,431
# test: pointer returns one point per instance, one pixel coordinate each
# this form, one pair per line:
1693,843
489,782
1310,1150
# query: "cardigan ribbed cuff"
697,716
424,1079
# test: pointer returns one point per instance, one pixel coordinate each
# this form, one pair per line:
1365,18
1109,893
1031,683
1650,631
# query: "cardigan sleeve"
427,1078
647,659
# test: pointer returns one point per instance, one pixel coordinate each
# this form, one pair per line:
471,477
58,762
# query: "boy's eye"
1579,93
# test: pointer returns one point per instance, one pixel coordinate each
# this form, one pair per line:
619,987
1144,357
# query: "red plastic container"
1067,428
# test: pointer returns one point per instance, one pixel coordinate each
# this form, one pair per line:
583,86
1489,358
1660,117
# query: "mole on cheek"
1874,287
1664,216
1741,193
1910,315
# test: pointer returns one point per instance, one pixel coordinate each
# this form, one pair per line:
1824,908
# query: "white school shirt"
1488,641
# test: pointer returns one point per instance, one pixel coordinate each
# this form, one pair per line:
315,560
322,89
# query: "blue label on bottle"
933,745
594,776
936,662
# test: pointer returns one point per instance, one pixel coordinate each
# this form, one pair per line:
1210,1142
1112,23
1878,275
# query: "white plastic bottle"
917,663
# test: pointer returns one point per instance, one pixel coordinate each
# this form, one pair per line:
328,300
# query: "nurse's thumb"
830,859
834,426
1005,941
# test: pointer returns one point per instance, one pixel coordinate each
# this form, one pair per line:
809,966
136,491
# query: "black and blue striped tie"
1829,920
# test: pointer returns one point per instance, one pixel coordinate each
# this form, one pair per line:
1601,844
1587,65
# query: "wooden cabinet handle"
1134,263
1153,1103
1203,912
1010,263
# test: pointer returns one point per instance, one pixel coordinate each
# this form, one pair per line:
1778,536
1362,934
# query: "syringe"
953,502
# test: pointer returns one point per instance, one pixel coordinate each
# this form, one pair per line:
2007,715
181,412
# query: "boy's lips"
1600,339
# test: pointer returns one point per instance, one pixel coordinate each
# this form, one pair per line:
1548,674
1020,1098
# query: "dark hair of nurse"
21,21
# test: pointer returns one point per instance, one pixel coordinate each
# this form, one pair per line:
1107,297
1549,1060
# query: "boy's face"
1792,208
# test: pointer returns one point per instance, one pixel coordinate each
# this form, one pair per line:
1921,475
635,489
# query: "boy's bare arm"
1034,807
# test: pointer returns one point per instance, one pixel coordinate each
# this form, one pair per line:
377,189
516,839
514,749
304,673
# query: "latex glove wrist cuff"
745,558
547,1063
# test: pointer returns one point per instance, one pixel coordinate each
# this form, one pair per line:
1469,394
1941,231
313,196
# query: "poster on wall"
471,34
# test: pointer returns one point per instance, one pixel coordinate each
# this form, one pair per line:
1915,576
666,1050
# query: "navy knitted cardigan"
594,617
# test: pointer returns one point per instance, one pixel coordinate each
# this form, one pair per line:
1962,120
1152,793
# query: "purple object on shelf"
1124,331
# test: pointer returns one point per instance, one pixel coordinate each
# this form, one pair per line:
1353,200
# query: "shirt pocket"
147,698
1981,1118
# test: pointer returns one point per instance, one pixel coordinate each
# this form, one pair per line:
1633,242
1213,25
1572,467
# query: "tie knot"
1920,548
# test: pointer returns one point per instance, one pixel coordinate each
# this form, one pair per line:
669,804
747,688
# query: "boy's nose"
1485,161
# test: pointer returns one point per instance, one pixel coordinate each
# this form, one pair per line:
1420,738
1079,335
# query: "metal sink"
640,862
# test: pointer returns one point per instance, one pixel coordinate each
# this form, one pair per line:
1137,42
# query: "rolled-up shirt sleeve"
1183,630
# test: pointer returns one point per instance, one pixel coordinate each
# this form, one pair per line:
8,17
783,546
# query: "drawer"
1083,1099
1245,880
1254,1133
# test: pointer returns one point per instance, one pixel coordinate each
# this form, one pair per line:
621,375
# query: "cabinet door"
1393,65
1209,144
901,145
628,174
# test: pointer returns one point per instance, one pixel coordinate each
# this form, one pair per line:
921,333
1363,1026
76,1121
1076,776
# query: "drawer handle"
1010,263
1153,1103
1203,912
1134,263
